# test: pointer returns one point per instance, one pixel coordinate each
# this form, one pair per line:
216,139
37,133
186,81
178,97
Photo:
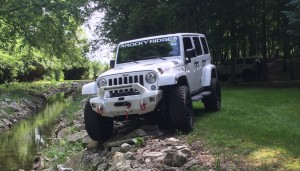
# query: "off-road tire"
181,109
212,102
98,127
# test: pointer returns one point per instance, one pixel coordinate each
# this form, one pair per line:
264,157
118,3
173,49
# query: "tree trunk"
291,69
286,46
263,41
233,49
287,55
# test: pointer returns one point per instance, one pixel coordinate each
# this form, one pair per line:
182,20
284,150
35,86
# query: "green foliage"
47,24
232,27
42,40
293,15
96,69
178,133
9,67
61,150
138,141
76,104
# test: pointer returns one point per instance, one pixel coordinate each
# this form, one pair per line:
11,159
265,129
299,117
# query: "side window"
204,44
187,43
239,61
197,45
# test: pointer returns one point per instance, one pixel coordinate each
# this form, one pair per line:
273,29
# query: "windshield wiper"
130,60
153,57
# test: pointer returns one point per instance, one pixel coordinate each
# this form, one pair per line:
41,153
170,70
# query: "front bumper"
146,101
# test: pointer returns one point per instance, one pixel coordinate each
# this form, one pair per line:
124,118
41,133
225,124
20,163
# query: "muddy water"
22,143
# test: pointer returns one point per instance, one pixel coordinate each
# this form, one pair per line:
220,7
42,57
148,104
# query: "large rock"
152,154
192,165
30,104
7,100
15,107
117,143
2,113
6,122
120,163
75,161
2,124
62,168
77,136
174,159
63,132
134,134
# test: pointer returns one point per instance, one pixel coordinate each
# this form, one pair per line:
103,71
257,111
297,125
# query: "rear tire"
212,102
181,109
98,127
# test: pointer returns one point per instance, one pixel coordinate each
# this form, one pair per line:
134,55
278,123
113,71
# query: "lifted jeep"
158,75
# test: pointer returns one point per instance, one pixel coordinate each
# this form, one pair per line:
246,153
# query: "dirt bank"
13,109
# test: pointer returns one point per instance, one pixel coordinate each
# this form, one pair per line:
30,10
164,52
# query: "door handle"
196,62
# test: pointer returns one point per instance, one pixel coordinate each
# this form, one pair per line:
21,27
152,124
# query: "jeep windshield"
148,49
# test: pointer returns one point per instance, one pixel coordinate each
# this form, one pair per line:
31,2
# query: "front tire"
181,109
98,127
212,102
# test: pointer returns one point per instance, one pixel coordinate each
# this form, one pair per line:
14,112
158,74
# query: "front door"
192,66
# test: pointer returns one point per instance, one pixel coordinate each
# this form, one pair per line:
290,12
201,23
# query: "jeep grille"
125,80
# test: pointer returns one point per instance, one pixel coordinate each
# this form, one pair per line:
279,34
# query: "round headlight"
151,77
102,82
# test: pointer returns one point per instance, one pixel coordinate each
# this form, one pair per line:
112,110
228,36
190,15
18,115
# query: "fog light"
152,99
153,87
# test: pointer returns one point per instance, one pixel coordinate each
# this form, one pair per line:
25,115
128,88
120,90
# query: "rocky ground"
136,145
14,110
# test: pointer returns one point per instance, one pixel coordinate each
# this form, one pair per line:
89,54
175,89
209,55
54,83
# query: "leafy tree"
234,28
43,24
42,39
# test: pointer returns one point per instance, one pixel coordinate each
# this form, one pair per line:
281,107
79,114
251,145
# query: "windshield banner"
144,42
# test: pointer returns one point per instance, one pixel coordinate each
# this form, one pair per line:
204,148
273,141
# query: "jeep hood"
144,66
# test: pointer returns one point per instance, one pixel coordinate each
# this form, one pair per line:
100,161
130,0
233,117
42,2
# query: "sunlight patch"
265,156
292,165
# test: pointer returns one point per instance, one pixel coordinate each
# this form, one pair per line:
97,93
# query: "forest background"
44,39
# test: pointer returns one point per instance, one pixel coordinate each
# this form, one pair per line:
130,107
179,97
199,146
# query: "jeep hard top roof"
165,35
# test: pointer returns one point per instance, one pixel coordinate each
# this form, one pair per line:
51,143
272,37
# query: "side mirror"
190,53
112,63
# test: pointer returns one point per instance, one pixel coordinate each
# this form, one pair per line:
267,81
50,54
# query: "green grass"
261,125
16,91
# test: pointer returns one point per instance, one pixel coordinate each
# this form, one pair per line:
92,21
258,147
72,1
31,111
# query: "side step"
200,95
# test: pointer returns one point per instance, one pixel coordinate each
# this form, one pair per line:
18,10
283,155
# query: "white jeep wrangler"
158,76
